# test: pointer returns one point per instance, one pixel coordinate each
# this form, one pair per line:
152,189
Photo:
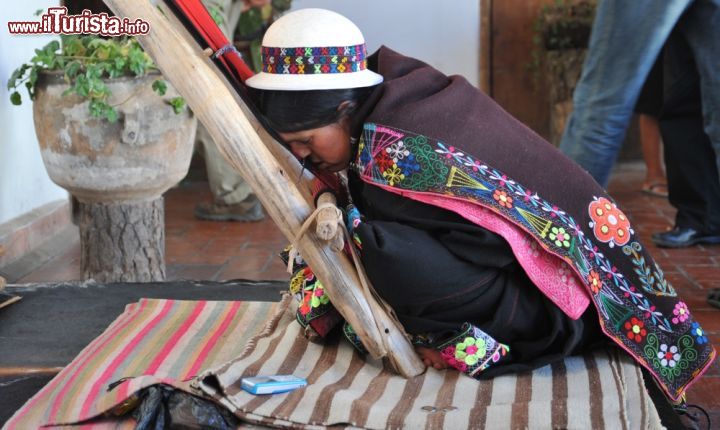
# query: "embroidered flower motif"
503,199
397,151
383,161
393,175
560,236
681,313
594,281
503,180
528,195
448,354
564,273
450,152
635,329
609,223
534,247
305,307
668,356
296,282
318,296
475,165
470,350
699,334
408,165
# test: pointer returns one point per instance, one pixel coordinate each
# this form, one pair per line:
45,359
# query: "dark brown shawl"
463,147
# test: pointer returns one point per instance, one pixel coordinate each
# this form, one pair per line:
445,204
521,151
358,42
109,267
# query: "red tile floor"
223,250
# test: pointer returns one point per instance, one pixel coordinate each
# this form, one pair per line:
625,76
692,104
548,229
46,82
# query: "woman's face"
327,147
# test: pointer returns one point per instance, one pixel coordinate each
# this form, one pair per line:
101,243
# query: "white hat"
313,49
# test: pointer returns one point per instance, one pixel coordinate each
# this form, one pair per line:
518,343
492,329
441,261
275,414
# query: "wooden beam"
486,46
24,371
246,145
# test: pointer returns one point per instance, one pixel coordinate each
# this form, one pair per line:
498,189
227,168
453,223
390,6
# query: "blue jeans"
626,39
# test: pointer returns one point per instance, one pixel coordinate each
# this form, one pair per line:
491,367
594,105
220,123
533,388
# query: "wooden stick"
242,141
327,222
21,371
9,301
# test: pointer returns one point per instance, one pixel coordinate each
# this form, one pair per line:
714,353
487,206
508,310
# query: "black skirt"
438,271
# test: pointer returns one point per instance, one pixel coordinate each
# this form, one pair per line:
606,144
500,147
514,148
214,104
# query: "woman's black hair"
291,111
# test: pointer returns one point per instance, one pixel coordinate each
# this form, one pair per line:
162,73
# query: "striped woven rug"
603,390
153,341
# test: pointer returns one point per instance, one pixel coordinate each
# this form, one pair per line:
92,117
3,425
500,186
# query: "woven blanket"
602,390
153,341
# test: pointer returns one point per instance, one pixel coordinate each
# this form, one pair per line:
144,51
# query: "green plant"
85,62
252,25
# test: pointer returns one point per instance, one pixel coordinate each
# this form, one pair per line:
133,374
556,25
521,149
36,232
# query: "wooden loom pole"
246,145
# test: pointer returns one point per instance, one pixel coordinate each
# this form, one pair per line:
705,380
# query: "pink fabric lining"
553,276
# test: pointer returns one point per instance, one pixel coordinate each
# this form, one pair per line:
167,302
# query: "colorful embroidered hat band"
320,60
313,49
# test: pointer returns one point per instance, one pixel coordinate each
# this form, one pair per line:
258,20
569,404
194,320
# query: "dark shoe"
248,210
681,237
713,297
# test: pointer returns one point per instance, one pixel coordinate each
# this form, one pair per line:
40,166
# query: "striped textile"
153,341
603,390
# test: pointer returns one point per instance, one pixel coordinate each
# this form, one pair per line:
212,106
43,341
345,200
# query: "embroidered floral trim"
353,338
681,313
609,223
594,282
472,350
635,329
503,199
698,333
560,237
652,280
619,294
670,359
313,301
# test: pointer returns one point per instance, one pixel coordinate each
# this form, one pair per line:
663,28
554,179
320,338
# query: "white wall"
444,34
24,183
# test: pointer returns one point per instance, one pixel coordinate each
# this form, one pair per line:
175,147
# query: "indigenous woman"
496,252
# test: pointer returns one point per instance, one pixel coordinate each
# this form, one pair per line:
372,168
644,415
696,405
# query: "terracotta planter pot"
139,157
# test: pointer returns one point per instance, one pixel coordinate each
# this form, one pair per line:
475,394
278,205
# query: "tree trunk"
123,242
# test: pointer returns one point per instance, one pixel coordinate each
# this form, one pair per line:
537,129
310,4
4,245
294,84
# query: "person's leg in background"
651,143
233,199
692,174
648,108
625,41
701,28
